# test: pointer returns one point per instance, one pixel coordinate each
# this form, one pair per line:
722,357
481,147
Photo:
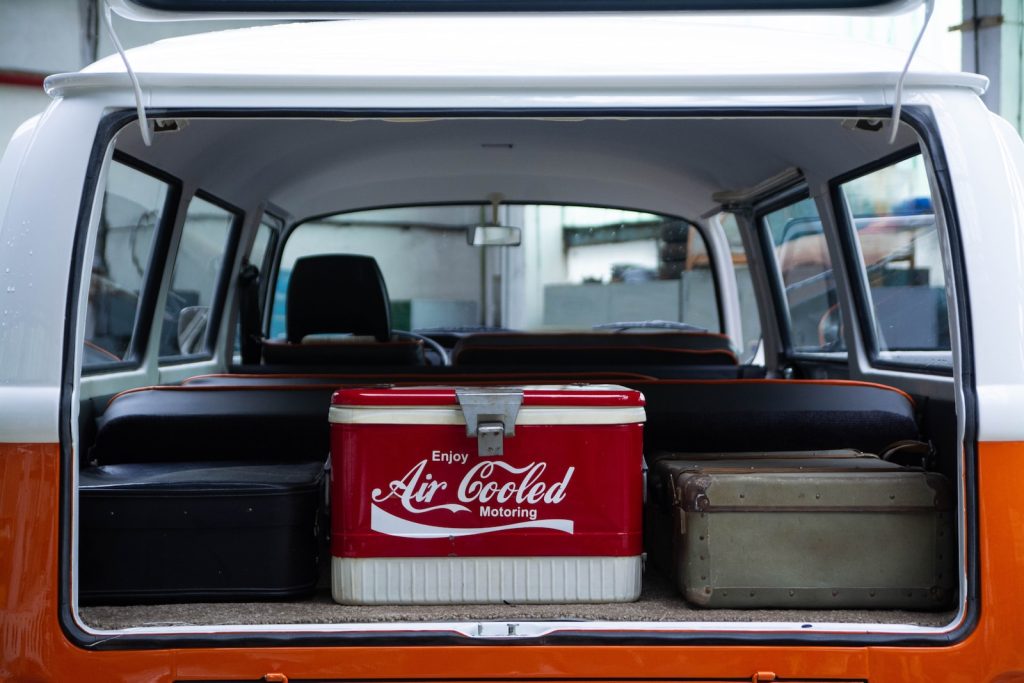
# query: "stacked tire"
673,250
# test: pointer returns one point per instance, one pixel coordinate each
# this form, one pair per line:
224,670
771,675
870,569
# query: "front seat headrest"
337,293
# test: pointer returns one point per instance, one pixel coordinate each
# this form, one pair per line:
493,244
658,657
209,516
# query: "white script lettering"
475,486
481,484
416,487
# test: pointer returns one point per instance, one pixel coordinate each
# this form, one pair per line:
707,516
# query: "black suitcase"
187,532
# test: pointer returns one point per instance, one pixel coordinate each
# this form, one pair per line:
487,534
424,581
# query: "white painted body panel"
41,179
494,46
463,64
555,52
986,162
455,64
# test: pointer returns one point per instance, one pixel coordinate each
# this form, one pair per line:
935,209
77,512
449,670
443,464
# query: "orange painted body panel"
33,646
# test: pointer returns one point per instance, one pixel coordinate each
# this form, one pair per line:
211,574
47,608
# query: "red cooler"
448,495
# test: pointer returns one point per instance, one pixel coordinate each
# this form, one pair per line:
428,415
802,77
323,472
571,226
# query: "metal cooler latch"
490,416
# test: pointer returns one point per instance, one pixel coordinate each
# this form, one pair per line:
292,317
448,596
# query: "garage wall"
43,37
37,37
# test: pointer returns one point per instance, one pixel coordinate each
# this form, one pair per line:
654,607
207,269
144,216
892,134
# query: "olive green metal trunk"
810,532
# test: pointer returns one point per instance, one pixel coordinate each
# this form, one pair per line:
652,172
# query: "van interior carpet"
659,602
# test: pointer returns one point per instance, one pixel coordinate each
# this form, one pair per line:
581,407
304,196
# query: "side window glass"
197,270
894,223
808,284
134,206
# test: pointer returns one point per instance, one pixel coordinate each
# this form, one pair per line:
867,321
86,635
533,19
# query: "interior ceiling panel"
316,166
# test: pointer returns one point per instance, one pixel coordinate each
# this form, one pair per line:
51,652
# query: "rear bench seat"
266,418
216,418
210,424
775,415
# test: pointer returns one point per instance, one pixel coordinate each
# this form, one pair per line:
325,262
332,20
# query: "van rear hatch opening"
667,167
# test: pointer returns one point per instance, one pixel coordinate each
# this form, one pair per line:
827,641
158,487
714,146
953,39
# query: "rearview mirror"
494,236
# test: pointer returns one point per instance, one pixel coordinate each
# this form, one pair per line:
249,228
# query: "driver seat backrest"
339,313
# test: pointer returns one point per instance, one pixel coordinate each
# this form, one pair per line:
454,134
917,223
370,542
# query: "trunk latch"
490,416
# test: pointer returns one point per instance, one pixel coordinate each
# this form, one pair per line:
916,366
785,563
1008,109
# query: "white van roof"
515,51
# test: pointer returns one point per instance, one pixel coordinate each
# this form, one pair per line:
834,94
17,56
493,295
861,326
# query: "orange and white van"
758,229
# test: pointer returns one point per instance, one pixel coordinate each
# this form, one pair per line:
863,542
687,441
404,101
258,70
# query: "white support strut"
897,107
136,87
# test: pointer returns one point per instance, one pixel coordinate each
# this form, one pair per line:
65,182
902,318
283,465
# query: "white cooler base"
480,580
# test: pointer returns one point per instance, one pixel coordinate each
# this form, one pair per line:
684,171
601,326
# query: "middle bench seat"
433,378
270,417
664,354
578,348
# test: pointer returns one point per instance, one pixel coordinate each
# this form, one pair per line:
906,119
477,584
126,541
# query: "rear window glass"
575,267
134,206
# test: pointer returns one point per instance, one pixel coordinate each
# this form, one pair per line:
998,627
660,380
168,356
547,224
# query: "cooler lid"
569,395
489,413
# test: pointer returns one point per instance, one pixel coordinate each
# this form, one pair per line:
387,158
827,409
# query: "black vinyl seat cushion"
264,419
215,424
775,415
